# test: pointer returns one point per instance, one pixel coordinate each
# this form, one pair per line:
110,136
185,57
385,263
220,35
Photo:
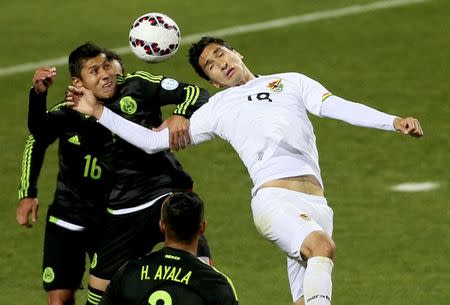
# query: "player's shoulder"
62,105
139,77
289,76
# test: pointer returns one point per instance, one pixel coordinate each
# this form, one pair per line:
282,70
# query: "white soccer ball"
154,37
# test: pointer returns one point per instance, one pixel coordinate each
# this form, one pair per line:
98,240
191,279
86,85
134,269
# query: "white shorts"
286,217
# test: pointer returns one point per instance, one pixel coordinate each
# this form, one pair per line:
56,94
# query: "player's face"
99,75
223,66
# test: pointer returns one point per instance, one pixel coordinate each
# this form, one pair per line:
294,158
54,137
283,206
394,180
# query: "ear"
238,54
76,82
162,226
202,228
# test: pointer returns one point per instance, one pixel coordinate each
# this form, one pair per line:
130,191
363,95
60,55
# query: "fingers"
179,139
412,127
22,217
34,213
43,78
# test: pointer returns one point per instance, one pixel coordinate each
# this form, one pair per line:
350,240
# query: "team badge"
49,275
275,86
169,84
128,105
304,216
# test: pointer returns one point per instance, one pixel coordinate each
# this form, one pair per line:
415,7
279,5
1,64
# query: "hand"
84,101
410,126
179,137
43,78
27,207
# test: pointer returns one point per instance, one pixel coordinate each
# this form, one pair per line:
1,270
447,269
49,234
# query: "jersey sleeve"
312,93
148,140
203,124
225,292
32,160
113,294
46,126
356,114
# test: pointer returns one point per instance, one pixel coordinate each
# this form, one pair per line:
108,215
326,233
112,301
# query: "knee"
318,243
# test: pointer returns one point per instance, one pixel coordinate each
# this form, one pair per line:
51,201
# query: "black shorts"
124,237
65,250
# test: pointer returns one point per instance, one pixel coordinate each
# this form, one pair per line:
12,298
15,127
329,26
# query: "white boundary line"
248,28
415,186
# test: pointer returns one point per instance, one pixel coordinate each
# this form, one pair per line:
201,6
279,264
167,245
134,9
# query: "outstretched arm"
362,115
84,101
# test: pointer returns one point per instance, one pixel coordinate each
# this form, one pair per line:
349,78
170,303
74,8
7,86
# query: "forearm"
137,135
356,114
37,104
32,160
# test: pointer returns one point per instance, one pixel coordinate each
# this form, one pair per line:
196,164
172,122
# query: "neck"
190,247
248,76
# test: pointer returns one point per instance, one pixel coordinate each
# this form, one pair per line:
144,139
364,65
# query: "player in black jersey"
140,182
78,207
173,275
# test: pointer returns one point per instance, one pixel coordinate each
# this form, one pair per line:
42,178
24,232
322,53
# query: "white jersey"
266,122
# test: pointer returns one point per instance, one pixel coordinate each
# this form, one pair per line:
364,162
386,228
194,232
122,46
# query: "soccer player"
79,205
173,275
139,182
265,120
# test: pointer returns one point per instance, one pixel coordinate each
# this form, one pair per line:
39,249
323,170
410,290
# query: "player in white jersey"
265,120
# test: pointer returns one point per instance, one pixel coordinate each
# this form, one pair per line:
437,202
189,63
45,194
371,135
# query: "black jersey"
136,177
83,181
172,276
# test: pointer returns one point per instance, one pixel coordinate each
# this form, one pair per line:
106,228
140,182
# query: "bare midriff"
307,184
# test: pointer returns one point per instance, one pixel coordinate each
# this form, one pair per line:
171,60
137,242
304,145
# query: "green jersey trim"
229,282
192,94
26,168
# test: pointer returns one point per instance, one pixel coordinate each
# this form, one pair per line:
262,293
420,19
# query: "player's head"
116,61
90,68
216,61
182,217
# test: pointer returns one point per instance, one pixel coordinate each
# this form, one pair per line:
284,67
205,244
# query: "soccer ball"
154,37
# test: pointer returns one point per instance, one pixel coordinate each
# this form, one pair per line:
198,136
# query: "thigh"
64,258
286,218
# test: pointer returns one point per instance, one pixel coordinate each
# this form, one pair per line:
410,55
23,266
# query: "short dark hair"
111,55
182,214
197,48
81,54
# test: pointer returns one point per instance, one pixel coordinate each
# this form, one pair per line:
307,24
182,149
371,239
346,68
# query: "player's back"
170,275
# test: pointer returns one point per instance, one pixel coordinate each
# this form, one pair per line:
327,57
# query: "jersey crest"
128,105
275,86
